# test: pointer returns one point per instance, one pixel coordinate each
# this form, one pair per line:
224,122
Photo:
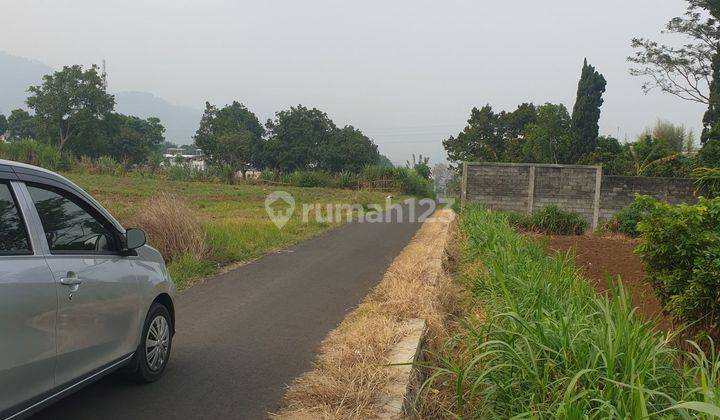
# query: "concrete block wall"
498,186
618,191
569,187
524,187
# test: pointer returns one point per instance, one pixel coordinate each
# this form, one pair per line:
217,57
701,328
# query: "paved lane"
242,336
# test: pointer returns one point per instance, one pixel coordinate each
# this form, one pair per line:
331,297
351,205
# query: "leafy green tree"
134,139
296,137
709,154
231,136
615,158
479,141
512,126
21,125
421,165
347,149
548,139
385,162
586,113
3,124
69,103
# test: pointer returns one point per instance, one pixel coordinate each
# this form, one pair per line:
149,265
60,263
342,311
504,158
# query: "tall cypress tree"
586,113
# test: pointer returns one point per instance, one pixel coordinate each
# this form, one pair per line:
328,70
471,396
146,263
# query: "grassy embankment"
537,341
232,217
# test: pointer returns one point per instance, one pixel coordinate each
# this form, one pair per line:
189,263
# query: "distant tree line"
550,134
543,134
72,111
296,139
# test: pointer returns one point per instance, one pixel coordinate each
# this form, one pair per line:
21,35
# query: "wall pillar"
596,204
531,189
463,184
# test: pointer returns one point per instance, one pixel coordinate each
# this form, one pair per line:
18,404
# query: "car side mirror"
135,238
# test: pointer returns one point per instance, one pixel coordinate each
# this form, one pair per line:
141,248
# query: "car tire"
153,352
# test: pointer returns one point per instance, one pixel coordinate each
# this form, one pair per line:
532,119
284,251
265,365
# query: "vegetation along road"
244,335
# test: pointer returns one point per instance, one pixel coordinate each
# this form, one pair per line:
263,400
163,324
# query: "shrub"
172,227
680,247
310,179
407,181
626,220
106,165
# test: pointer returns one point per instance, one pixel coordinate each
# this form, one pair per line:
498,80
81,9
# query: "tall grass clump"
33,153
172,228
542,343
551,220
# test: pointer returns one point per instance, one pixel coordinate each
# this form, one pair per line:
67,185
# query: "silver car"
80,296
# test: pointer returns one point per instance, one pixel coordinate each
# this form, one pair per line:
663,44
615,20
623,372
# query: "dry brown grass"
351,370
172,227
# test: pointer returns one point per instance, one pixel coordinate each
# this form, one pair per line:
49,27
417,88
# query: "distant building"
177,156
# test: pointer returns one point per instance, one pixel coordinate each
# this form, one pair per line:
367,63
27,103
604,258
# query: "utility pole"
104,75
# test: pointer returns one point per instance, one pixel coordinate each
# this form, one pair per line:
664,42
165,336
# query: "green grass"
548,346
236,224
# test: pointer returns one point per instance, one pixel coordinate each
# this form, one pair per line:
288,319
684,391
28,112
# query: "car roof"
30,173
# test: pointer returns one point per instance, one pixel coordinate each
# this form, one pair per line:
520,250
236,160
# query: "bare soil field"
603,257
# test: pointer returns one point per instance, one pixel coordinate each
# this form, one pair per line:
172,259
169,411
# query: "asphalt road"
244,335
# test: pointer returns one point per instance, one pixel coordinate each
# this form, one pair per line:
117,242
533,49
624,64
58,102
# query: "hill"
18,73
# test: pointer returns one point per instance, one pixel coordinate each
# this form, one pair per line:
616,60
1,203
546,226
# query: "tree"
512,127
134,139
421,166
548,139
231,136
21,125
615,158
586,113
296,137
441,175
479,141
685,72
385,162
69,103
673,136
3,125
347,149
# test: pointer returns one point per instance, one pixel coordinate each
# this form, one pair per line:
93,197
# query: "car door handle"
71,281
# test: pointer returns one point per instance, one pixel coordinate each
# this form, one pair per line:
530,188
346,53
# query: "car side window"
14,239
68,226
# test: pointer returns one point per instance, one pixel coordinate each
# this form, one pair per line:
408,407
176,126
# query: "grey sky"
405,72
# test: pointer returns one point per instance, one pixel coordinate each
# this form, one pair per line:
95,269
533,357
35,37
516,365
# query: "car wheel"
153,353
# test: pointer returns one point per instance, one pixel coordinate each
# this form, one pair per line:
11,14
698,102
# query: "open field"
233,217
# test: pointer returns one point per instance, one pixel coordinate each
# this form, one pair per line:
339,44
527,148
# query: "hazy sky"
405,72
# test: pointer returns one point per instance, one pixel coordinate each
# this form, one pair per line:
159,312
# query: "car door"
97,289
28,308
